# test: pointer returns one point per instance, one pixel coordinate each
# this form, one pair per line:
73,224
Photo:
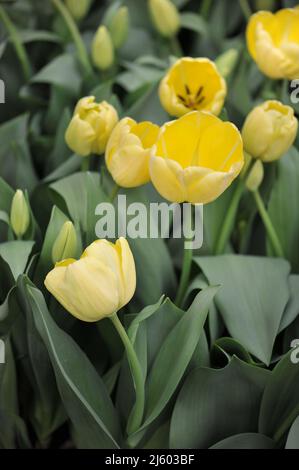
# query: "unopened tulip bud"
65,245
256,176
78,8
165,17
226,62
269,130
102,49
119,27
19,214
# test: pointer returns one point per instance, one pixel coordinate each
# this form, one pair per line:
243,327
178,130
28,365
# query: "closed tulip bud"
192,165
129,150
273,42
19,214
192,84
119,26
78,8
226,62
165,17
256,176
97,285
65,245
102,49
269,131
91,126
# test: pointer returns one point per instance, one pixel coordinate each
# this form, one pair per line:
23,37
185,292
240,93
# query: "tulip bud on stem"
273,237
136,416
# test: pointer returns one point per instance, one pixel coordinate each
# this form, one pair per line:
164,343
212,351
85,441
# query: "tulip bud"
78,8
226,62
269,131
19,214
65,245
165,17
119,26
91,126
256,176
102,49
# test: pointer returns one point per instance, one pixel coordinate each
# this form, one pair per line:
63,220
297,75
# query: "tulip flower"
102,49
269,130
197,157
128,152
192,85
165,16
91,126
65,245
19,214
273,42
97,285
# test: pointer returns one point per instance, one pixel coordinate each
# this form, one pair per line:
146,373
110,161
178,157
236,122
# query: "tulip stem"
187,263
85,164
136,416
245,7
75,33
175,46
272,234
229,220
16,41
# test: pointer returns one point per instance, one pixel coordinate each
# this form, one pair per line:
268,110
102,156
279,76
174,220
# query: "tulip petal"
167,177
128,270
80,136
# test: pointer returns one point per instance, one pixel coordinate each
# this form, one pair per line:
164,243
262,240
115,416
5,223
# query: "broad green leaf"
293,436
252,299
16,254
217,403
58,72
282,206
175,354
248,440
292,307
6,195
194,22
83,393
280,404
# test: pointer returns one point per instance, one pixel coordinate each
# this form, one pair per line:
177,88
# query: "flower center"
192,100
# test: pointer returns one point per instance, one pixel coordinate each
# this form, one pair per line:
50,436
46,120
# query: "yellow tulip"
273,42
197,157
65,245
192,85
102,49
19,214
96,286
269,130
91,126
165,17
128,152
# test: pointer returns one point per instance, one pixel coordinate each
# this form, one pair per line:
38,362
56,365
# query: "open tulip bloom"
196,158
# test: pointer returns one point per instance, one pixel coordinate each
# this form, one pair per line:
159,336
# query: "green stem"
245,7
19,48
187,263
273,237
114,192
85,163
205,8
135,419
75,33
175,46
